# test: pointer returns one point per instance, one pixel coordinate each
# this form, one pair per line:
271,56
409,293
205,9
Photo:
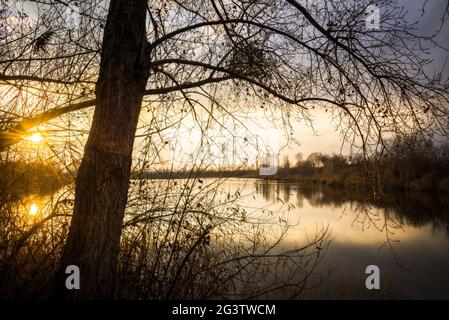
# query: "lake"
406,234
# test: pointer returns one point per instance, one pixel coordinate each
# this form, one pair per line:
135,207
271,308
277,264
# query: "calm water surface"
406,236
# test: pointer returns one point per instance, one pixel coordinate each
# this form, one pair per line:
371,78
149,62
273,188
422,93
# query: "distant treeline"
19,179
408,163
185,174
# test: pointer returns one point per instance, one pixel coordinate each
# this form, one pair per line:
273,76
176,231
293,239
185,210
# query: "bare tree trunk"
102,181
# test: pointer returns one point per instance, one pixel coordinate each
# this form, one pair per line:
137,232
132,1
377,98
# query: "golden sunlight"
35,137
33,210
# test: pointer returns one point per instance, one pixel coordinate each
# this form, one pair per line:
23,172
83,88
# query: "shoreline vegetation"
412,164
19,179
350,178
29,257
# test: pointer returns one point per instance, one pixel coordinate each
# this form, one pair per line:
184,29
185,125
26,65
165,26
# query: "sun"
35,137
33,209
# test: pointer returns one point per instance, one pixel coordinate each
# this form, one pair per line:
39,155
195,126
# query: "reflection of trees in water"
269,190
404,208
272,190
189,239
316,196
420,209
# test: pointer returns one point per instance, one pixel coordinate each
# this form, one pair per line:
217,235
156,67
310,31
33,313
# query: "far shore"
337,180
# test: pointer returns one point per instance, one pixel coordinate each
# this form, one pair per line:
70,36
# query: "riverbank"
431,182
19,179
353,178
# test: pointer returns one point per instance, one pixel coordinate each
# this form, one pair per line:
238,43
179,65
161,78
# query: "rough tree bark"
102,181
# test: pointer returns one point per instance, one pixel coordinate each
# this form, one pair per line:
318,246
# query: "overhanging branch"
13,135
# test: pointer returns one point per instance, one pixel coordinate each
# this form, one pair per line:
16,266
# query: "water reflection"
414,209
405,234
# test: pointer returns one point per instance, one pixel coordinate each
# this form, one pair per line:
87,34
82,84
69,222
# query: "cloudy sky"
327,139
324,137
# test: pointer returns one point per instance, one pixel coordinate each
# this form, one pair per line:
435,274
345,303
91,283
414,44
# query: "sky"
325,139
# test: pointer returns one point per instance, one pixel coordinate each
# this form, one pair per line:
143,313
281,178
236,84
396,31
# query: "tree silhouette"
129,54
